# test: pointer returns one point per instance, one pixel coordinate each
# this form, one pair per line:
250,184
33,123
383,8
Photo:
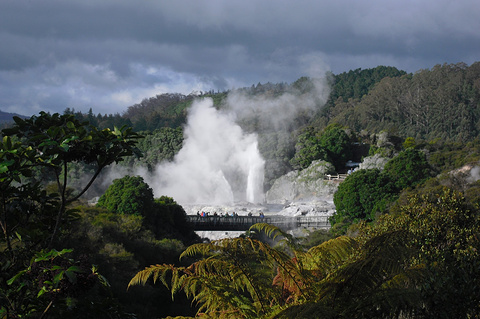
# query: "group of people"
207,214
234,214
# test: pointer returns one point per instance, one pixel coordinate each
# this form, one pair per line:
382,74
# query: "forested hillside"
439,104
404,241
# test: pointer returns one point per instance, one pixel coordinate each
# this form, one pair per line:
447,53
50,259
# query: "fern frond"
376,270
270,230
291,275
202,249
330,255
157,271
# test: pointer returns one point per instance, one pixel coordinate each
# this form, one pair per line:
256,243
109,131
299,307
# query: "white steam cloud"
221,164
279,111
218,163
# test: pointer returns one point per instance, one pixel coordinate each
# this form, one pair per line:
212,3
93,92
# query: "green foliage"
332,145
445,157
307,149
337,145
119,244
160,145
408,168
362,195
366,193
437,103
128,195
419,263
32,219
442,230
229,280
315,238
51,277
409,142
357,83
340,278
167,219
163,216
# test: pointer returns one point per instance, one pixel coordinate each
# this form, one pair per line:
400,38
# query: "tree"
332,145
168,219
337,146
60,140
408,168
307,149
419,263
232,278
128,195
31,218
340,278
163,216
362,195
158,146
118,244
442,230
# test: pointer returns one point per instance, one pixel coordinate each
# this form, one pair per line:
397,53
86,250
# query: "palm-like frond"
330,255
377,278
228,279
161,272
278,234
373,280
299,276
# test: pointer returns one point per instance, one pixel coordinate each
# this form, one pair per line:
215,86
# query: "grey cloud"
104,49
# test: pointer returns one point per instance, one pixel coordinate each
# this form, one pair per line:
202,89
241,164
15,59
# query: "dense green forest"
439,105
404,240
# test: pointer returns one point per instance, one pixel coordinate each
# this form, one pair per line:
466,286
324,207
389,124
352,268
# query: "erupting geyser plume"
218,163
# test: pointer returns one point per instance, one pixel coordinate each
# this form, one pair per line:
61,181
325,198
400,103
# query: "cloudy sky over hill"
110,54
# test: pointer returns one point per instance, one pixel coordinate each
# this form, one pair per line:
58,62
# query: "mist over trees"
440,104
403,243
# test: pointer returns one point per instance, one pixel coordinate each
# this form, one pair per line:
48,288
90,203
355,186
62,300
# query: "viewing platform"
243,223
339,177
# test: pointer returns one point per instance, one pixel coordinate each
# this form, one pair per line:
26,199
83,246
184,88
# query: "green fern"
226,280
343,277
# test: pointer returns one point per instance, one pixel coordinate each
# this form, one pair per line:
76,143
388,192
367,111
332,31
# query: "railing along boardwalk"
243,223
339,177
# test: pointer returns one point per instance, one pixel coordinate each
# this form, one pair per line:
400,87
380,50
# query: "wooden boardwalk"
243,223
338,177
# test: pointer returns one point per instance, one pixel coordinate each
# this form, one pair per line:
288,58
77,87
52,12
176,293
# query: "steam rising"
221,164
218,163
280,111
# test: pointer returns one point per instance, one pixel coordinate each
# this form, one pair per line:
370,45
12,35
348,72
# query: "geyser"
218,163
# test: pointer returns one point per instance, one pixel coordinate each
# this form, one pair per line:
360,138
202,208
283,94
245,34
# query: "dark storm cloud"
109,54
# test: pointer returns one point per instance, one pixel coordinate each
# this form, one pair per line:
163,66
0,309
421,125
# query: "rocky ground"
298,193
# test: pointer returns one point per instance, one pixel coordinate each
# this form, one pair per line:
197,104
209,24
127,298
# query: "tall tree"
32,218
127,195
362,195
408,168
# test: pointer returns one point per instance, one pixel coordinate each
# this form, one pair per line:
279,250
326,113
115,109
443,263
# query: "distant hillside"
438,106
8,117
439,103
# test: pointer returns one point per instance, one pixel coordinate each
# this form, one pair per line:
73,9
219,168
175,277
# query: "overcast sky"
110,54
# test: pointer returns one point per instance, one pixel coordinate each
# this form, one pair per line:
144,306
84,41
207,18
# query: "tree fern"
278,234
376,283
224,281
328,256
242,277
